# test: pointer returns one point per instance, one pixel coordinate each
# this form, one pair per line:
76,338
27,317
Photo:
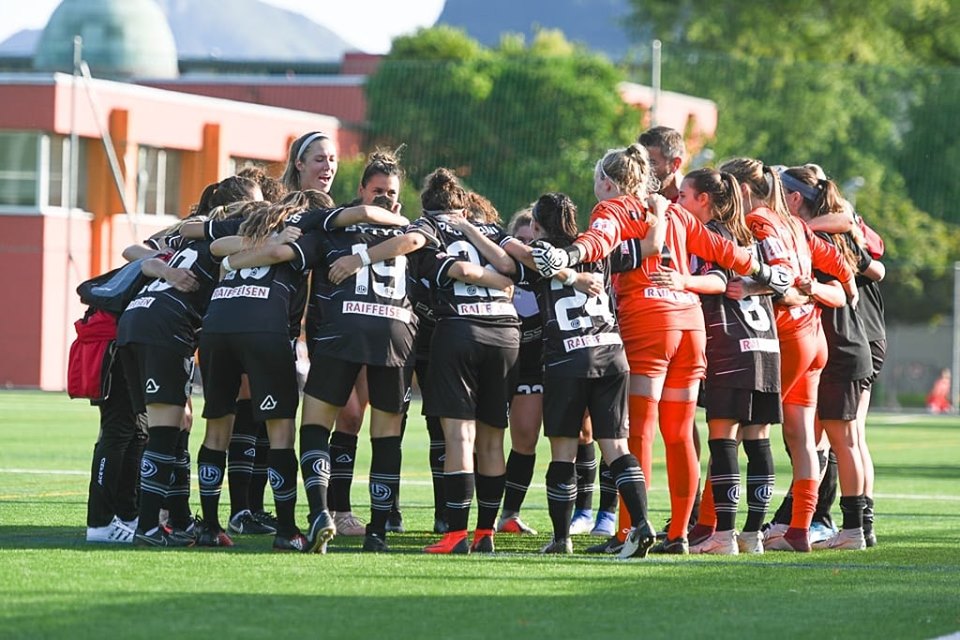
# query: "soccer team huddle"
749,289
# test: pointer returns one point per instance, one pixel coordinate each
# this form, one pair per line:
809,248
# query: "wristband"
364,256
225,263
569,280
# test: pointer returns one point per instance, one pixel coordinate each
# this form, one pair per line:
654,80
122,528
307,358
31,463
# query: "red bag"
91,355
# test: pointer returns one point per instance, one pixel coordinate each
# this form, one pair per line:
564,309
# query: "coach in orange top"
662,329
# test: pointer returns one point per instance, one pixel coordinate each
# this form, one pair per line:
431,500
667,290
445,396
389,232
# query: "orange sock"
683,471
804,502
708,514
643,423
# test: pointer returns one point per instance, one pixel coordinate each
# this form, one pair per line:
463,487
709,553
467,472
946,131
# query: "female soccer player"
788,243
742,387
312,163
662,330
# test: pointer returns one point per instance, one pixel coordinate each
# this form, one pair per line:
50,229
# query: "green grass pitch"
54,584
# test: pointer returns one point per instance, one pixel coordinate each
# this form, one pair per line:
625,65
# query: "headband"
313,137
793,184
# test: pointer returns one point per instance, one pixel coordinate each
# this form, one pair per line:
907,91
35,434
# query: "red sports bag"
91,355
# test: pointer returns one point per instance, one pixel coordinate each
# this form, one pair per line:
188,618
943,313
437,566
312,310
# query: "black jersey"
870,309
491,310
367,318
531,324
580,334
164,316
849,352
743,351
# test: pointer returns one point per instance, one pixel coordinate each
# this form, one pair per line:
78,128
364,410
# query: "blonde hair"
629,169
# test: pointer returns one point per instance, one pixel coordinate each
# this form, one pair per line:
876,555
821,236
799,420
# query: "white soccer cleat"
348,525
114,533
721,543
844,540
750,542
581,523
775,531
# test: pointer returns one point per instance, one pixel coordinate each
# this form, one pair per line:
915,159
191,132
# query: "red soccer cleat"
451,542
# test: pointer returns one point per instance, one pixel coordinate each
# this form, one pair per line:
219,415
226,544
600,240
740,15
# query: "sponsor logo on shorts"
377,310
243,291
380,492
659,293
760,344
276,480
140,303
268,404
487,309
152,386
147,468
209,474
585,342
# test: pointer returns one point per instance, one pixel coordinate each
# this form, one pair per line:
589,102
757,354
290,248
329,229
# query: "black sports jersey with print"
531,325
580,334
743,351
367,318
164,316
849,352
870,309
453,300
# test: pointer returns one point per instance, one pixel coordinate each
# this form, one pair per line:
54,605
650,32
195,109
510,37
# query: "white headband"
313,137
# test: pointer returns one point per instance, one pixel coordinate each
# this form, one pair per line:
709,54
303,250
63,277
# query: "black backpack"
113,290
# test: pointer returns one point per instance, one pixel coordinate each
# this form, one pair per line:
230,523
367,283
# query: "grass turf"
53,584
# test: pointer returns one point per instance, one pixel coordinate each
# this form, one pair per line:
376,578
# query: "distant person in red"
938,400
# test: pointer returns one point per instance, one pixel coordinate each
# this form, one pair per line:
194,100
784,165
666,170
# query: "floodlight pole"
73,178
655,81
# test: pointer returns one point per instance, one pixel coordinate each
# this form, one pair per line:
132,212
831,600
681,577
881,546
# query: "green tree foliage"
838,84
513,122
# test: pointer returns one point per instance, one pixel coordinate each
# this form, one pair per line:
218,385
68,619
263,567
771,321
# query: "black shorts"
528,372
331,380
565,400
838,400
270,364
746,406
156,375
468,380
878,353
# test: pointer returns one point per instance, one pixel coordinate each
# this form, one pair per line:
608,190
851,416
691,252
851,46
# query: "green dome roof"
121,39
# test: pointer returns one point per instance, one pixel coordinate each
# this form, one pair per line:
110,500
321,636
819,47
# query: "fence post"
955,365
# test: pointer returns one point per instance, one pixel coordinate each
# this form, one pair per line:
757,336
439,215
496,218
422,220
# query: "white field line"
426,483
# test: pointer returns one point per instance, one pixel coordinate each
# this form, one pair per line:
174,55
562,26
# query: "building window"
158,181
59,174
19,168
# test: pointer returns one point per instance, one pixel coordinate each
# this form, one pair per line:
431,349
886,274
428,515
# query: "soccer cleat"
750,542
820,532
605,526
375,541
513,524
212,536
698,534
395,522
870,538
609,547
582,522
482,541
267,519
114,533
158,537
792,540
131,524
563,546
322,530
721,543
844,540
440,525
297,543
672,546
348,524
243,522
772,531
187,533
452,542
638,542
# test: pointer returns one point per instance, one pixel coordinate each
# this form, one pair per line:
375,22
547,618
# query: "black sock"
724,481
178,497
283,482
586,476
827,492
760,477
343,458
159,457
561,496
608,489
868,514
128,480
384,479
458,487
261,464
632,486
519,475
315,466
852,509
489,495
240,457
210,467
437,454
395,507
